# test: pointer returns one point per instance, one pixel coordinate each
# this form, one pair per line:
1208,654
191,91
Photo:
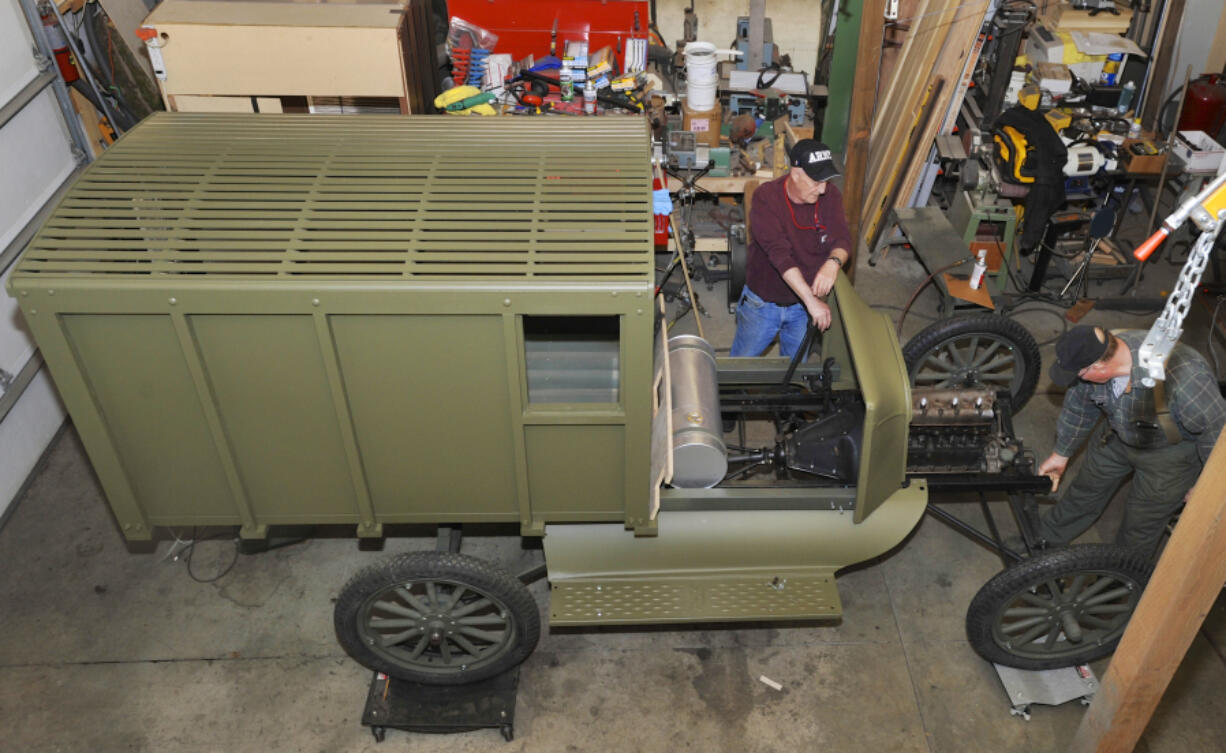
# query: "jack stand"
1050,687
414,707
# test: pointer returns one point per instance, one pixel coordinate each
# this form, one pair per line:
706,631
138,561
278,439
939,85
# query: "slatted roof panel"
360,197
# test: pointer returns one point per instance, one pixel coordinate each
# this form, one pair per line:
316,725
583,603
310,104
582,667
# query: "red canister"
1204,107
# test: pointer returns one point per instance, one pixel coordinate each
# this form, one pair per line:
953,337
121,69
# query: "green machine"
257,320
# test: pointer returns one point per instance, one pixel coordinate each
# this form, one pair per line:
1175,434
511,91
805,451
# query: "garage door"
40,151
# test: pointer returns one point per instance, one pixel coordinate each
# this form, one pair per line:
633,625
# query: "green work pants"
1161,478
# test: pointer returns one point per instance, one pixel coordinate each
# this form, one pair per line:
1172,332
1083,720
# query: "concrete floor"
108,649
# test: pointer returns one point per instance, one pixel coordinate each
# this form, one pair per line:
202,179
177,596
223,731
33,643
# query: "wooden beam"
960,40
859,127
1164,54
1186,582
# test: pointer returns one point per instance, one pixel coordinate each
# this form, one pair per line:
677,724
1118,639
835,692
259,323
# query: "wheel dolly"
440,709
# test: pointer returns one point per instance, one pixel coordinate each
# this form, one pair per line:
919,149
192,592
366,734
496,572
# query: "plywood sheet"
244,13
276,60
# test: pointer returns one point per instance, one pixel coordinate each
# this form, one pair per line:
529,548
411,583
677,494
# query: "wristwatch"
835,259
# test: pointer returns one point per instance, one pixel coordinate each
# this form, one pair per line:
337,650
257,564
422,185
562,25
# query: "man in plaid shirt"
1099,366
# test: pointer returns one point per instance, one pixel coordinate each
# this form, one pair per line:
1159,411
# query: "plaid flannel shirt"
1192,395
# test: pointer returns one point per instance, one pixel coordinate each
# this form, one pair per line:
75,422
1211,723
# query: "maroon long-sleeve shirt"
782,239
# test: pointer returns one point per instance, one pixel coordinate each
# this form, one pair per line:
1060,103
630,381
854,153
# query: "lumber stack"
918,102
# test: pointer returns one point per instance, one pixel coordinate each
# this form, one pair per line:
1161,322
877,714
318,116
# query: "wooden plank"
895,37
919,61
966,21
860,122
715,185
918,52
1160,70
1184,586
959,43
90,120
876,209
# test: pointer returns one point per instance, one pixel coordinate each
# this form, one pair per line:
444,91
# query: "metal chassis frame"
1020,488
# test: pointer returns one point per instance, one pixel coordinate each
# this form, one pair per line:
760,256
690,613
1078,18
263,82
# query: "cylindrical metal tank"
1204,107
700,458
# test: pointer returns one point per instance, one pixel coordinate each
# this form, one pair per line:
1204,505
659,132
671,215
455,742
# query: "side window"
572,359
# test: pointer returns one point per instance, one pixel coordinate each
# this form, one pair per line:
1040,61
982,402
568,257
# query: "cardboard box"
704,124
1199,152
1065,17
1141,164
1054,77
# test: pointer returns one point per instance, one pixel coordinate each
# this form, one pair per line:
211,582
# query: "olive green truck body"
264,320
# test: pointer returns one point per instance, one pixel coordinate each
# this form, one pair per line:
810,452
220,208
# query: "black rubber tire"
1095,587
738,261
994,331
375,590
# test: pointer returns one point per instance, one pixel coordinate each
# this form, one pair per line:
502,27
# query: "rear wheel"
1060,608
980,351
738,261
437,618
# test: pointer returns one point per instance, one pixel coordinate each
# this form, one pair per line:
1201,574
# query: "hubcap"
971,361
1064,615
436,626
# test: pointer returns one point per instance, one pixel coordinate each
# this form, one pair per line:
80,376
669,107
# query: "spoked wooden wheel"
437,618
1060,608
981,351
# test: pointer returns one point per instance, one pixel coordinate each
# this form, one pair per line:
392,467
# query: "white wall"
35,158
796,25
1198,37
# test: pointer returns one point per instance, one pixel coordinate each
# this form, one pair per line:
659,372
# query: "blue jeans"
758,321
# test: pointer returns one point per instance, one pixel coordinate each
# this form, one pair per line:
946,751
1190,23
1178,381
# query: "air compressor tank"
1204,107
700,457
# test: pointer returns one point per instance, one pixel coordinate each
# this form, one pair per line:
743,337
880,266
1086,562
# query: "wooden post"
863,99
1186,582
1162,64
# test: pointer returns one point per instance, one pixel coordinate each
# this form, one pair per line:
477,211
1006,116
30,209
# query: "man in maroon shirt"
799,243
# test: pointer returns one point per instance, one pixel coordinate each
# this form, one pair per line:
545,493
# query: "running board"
784,595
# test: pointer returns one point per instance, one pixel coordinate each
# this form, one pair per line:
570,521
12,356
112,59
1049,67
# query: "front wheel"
975,352
1060,608
436,618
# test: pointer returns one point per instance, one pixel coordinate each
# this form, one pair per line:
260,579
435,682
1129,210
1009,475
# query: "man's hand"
1053,467
820,313
823,283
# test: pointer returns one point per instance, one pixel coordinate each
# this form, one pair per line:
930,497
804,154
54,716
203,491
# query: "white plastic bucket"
701,74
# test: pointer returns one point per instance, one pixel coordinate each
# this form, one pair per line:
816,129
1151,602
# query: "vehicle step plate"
694,599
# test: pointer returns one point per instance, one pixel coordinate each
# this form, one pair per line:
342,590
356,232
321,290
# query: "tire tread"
443,565
992,324
981,614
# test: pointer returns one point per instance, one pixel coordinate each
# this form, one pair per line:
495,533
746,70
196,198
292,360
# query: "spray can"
1126,95
589,98
981,266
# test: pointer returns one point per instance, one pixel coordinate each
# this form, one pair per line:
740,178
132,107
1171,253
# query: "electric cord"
923,285
1040,309
891,307
190,549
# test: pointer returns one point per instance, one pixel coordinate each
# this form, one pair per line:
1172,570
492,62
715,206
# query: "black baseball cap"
815,158
1075,350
